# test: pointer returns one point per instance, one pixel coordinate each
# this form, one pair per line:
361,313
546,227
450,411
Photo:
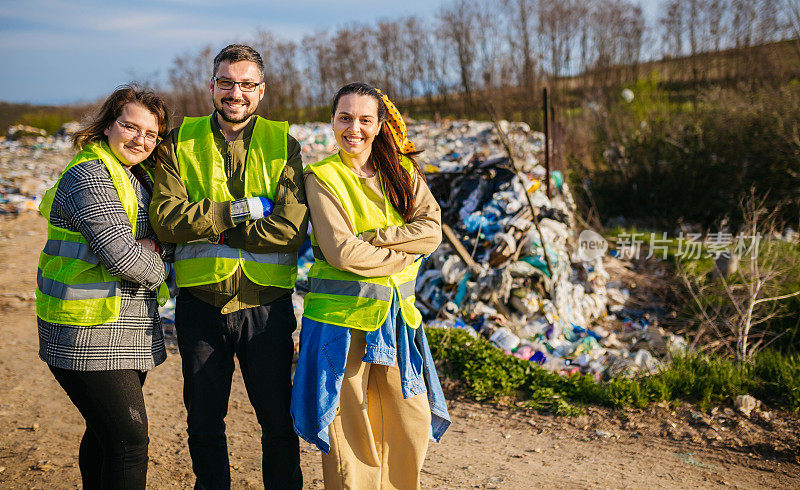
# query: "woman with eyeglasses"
100,275
365,388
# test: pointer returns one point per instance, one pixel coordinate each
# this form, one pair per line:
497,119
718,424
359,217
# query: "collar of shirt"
243,136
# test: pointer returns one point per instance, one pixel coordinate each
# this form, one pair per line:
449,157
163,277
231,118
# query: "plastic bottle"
505,339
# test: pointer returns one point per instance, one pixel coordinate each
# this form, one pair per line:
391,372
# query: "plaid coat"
87,202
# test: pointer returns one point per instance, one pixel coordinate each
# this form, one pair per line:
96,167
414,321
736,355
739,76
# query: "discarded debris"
30,162
21,131
42,465
746,404
509,269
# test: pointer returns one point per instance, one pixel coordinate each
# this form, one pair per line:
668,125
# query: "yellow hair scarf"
396,125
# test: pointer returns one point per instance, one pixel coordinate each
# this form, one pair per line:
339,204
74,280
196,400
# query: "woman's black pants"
113,451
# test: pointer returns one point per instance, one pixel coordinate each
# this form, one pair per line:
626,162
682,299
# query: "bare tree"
743,23
489,48
265,42
734,309
715,13
615,30
521,21
390,54
557,19
791,12
458,22
320,64
351,56
433,61
290,87
503,49
672,24
414,42
189,79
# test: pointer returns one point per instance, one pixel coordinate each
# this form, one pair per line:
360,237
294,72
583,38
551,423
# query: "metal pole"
546,122
555,136
534,212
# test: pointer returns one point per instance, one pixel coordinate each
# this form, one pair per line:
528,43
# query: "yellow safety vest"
344,298
202,170
72,286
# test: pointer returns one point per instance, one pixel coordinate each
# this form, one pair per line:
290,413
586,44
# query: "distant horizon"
70,54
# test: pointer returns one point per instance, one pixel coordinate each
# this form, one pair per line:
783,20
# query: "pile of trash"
30,163
448,146
316,140
508,268
19,132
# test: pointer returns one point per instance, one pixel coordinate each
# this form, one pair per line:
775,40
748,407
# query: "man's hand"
251,208
217,239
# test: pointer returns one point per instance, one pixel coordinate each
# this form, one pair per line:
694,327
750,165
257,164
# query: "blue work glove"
250,208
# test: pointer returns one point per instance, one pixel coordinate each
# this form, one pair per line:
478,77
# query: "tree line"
501,52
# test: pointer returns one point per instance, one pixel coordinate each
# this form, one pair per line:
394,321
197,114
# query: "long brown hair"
385,155
93,131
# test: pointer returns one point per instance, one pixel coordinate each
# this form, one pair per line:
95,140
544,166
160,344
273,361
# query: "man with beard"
229,191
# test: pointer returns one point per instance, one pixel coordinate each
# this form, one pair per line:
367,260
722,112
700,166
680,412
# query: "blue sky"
64,51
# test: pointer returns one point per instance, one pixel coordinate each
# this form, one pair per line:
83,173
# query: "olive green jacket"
176,219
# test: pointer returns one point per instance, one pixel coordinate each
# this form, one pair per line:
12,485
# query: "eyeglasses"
226,84
132,131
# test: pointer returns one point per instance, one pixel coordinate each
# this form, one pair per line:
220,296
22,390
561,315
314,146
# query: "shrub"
489,374
664,161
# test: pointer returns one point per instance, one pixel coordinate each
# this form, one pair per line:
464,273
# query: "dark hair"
385,155
111,109
238,52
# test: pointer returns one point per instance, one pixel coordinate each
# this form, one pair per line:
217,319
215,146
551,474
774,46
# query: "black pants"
113,451
261,337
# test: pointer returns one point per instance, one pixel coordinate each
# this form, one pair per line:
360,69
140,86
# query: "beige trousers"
378,439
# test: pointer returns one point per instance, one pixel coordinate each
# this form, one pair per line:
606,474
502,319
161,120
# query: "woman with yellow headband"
365,388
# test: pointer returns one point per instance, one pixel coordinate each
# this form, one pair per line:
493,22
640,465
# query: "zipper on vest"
228,163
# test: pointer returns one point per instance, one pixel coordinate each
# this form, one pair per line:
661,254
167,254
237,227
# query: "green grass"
779,377
705,380
489,374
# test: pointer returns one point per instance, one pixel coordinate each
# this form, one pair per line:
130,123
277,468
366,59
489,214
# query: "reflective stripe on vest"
350,288
73,292
285,259
202,170
205,250
73,287
344,298
73,250
407,289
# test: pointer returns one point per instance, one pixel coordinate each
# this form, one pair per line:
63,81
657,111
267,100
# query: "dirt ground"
486,447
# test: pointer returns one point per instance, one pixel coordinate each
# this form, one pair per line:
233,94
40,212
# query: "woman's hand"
148,244
367,236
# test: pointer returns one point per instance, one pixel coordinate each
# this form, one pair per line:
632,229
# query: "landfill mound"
30,162
509,268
